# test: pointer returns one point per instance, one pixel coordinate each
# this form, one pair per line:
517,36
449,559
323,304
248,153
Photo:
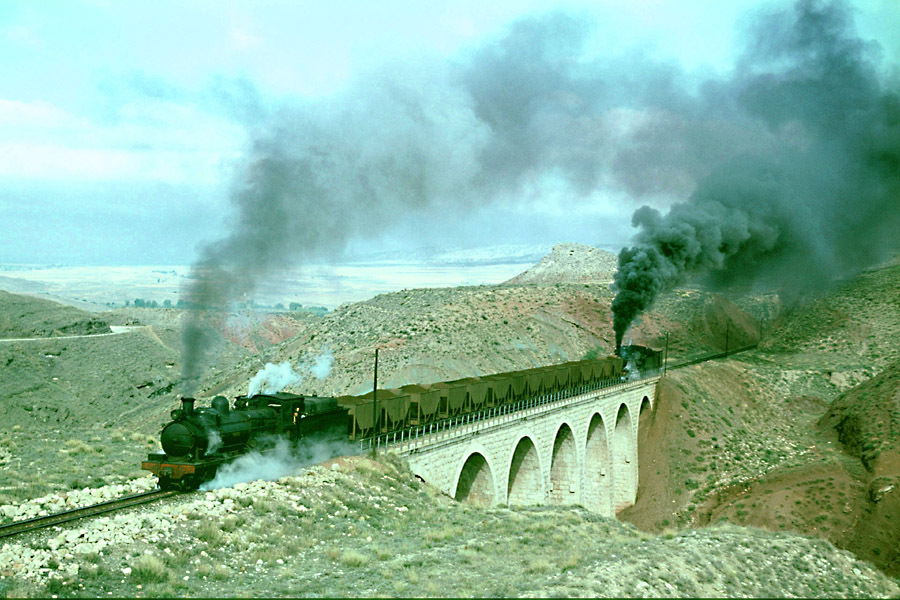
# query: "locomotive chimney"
187,405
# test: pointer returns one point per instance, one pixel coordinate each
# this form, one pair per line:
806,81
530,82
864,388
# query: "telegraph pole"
727,324
666,356
374,402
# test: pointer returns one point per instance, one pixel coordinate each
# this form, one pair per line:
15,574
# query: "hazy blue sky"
124,125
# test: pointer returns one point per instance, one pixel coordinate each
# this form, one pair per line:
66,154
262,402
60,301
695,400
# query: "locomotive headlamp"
176,414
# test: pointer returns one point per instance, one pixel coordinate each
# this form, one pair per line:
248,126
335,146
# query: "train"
199,440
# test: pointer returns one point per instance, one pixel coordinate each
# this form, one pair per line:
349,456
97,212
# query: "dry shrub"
382,553
570,562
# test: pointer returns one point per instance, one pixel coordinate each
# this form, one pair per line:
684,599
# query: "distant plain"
102,287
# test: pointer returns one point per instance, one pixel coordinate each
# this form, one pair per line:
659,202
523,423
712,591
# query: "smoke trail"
324,175
801,124
819,202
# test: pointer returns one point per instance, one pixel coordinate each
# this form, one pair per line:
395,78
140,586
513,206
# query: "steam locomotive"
199,440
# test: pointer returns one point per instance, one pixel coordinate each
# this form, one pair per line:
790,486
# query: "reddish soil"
833,496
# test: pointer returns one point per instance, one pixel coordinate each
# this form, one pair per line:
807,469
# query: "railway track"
706,357
84,512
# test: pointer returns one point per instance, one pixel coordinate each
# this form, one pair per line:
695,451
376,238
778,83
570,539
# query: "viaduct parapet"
576,450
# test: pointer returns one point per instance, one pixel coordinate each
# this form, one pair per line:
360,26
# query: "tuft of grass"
92,571
442,534
538,565
150,569
569,562
354,558
75,446
262,507
382,553
55,586
267,554
209,531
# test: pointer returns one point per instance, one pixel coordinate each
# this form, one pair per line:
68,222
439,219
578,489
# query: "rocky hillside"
358,527
26,317
429,335
799,435
571,263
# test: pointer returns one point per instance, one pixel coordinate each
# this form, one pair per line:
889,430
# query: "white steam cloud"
273,378
322,366
214,442
282,460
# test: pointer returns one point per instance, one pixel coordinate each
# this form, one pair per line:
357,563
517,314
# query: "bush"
382,554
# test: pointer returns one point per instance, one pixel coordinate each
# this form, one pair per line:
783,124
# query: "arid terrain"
772,472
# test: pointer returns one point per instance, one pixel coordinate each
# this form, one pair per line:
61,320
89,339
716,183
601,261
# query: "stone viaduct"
576,450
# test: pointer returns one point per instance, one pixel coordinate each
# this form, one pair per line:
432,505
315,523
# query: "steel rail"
83,512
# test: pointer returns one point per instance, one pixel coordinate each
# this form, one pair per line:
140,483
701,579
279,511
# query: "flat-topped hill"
570,263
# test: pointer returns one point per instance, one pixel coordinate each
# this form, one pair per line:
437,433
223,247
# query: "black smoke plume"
443,137
816,199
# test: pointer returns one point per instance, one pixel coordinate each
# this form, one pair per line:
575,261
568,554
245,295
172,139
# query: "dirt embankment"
831,472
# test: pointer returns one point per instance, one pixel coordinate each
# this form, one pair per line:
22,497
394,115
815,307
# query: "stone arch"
598,480
564,468
475,484
645,415
646,407
525,485
624,460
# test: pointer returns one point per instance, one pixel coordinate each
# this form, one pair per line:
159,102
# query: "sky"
127,129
